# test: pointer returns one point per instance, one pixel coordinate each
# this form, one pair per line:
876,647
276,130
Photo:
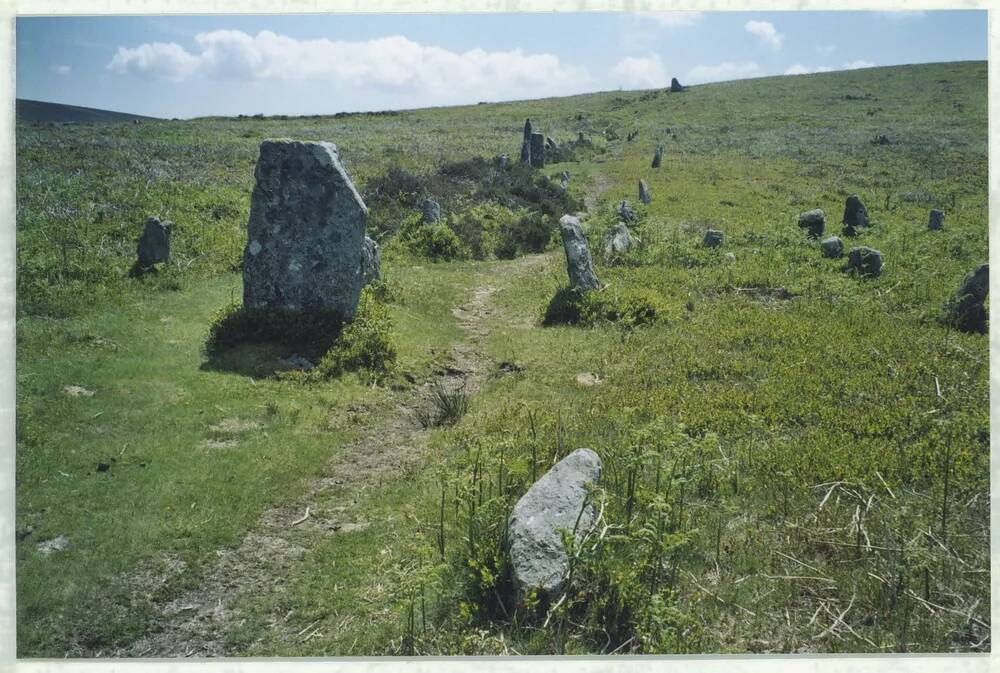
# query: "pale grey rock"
154,244
557,501
618,241
936,221
431,211
644,194
56,544
832,247
305,234
371,262
579,266
564,180
813,221
729,257
864,261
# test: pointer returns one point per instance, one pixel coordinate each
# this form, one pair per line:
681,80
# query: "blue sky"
175,66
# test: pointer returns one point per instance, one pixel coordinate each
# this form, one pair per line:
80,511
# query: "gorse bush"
365,344
437,242
629,307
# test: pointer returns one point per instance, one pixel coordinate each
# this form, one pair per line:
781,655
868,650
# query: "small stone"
431,211
855,215
586,379
713,238
154,244
967,310
537,150
864,261
832,247
56,544
729,257
579,266
936,222
618,241
557,501
625,212
657,156
644,194
78,391
813,221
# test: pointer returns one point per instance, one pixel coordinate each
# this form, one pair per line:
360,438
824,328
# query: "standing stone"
618,241
936,222
305,234
657,156
537,157
503,162
814,221
431,210
864,261
644,194
855,215
714,238
625,212
551,144
526,152
557,501
154,244
578,262
967,311
675,86
564,180
832,247
527,130
371,262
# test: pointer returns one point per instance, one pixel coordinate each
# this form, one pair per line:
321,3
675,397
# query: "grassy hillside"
796,460
42,111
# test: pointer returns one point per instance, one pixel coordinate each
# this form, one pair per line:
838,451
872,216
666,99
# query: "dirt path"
198,622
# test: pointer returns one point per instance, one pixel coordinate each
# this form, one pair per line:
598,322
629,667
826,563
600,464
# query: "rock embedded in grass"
813,221
832,247
864,261
56,544
714,238
644,194
154,244
855,215
625,211
618,241
431,211
557,501
579,266
967,310
936,221
306,231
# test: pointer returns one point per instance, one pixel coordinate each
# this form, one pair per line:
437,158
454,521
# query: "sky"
189,66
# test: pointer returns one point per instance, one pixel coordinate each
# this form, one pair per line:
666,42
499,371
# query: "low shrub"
437,242
365,344
629,308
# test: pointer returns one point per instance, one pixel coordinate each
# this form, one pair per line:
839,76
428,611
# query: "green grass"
791,400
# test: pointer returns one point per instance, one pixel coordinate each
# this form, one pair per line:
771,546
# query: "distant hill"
40,111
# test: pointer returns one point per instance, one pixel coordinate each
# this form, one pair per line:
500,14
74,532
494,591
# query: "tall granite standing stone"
579,266
305,234
154,244
526,143
537,157
371,262
675,85
657,156
855,215
864,261
936,221
431,211
557,501
967,311
813,221
644,194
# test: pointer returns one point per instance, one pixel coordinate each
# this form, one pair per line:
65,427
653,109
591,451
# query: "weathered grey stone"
371,262
56,544
714,238
305,234
832,247
936,221
527,130
431,211
855,215
625,211
967,310
526,152
618,241
503,162
813,221
864,261
644,194
551,144
537,150
564,180
657,156
675,85
558,501
729,257
579,266
154,244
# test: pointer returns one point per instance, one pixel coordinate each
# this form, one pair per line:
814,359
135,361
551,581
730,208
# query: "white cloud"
723,71
799,69
766,32
394,63
825,48
640,72
674,19
854,65
61,69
